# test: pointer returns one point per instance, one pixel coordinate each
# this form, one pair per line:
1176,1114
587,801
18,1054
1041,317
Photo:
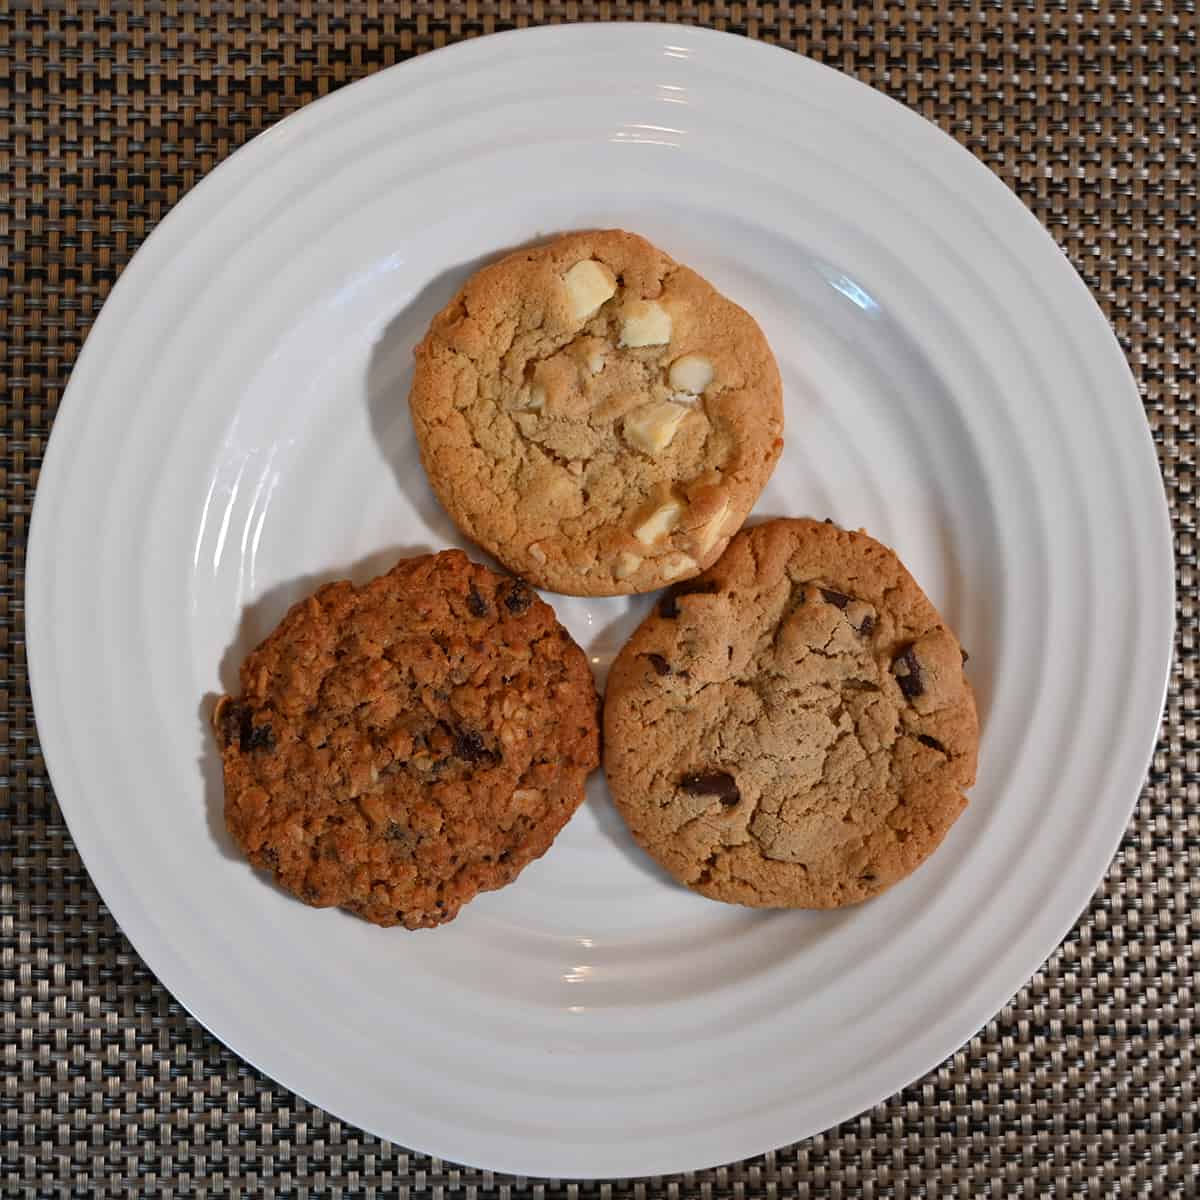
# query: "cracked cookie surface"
793,728
596,415
399,747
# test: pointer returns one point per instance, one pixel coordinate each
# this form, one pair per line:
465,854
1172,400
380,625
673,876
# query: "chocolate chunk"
908,674
667,606
835,598
931,742
257,737
519,598
868,626
965,656
712,783
468,746
659,663
860,685
476,604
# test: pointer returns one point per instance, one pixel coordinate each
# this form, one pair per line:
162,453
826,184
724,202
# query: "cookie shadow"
389,380
612,828
628,612
625,614
214,780
258,620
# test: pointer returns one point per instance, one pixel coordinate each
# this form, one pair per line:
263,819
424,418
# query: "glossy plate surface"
236,432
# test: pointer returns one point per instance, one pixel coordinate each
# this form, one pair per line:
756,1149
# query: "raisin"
868,626
519,598
931,742
908,674
659,663
476,604
712,783
235,722
965,656
231,719
258,737
468,746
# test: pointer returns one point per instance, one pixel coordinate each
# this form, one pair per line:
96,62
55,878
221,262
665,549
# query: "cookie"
793,729
399,747
595,415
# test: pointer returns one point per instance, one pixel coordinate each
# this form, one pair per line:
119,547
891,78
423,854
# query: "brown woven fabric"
1085,1084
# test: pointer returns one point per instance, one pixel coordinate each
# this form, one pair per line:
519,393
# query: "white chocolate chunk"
659,523
536,552
675,565
691,373
651,427
595,361
626,564
646,323
531,399
589,285
708,533
558,492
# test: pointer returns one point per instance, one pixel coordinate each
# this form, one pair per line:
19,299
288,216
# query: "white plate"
236,432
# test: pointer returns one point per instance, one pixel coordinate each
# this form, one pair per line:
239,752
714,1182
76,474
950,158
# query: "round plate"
236,432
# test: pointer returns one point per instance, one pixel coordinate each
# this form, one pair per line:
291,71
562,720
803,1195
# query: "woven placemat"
1085,1084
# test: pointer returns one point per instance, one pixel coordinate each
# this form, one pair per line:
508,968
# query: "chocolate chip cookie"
595,415
793,728
399,747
